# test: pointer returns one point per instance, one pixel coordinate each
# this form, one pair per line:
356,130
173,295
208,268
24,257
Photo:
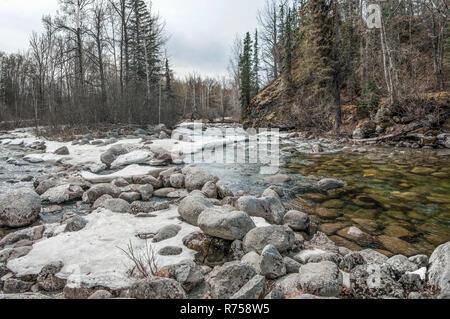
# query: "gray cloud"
201,31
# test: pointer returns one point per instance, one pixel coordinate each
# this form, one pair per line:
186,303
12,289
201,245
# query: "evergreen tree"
246,73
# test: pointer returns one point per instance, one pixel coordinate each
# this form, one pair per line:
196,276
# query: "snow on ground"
93,256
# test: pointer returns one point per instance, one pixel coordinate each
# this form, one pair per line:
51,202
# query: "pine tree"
246,73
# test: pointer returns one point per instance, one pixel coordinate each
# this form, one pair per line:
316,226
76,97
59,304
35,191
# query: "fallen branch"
391,136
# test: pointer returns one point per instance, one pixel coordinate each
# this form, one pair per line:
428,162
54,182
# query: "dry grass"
144,260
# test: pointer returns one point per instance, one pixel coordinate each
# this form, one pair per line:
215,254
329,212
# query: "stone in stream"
113,153
224,224
397,246
191,207
130,196
9,254
211,251
210,190
31,234
400,265
19,208
146,192
100,201
282,237
322,279
355,234
272,264
279,179
98,190
196,178
269,208
63,193
224,281
296,220
187,273
351,260
223,191
177,180
327,184
117,205
170,251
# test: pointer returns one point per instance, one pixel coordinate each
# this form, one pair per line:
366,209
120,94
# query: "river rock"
210,190
296,220
47,279
351,260
211,251
157,288
166,232
191,207
187,273
170,251
225,225
288,285
272,264
31,234
177,180
63,193
439,268
14,286
223,191
75,224
96,191
282,237
19,208
254,289
117,205
254,259
355,234
62,151
400,265
327,184
373,257
100,201
196,178
113,153
322,279
269,208
412,282
130,196
420,260
374,281
279,179
224,281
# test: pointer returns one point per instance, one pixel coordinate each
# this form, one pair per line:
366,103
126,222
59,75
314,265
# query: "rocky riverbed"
124,214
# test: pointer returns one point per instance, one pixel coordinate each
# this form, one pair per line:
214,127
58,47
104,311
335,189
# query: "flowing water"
400,199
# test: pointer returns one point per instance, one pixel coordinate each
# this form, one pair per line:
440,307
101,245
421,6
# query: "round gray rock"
19,208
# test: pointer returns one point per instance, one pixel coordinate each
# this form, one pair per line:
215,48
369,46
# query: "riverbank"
235,235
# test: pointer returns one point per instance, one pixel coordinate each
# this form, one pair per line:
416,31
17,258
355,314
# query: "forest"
105,61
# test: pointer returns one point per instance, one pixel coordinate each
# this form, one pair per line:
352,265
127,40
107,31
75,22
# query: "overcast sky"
201,31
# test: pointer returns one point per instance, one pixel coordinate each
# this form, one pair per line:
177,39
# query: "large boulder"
288,285
96,191
272,263
117,205
191,207
29,234
223,191
224,224
63,193
269,208
196,178
19,208
400,265
296,220
157,288
322,279
282,237
187,273
439,268
224,281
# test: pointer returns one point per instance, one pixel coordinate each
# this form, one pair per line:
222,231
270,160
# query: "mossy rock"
327,213
420,170
345,243
397,231
366,224
333,203
330,229
360,238
315,197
